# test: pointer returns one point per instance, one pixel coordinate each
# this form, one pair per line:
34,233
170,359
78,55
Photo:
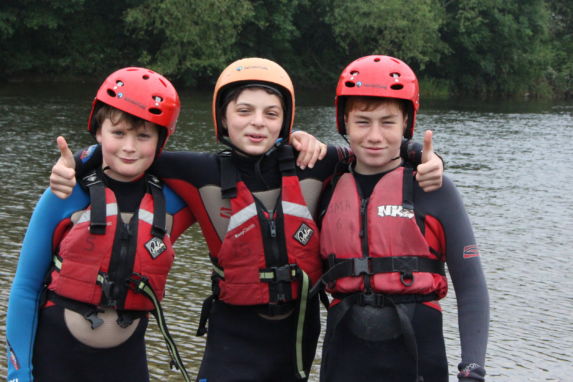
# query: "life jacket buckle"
283,274
361,266
91,316
108,290
372,299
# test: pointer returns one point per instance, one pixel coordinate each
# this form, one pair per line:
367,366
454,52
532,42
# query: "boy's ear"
98,135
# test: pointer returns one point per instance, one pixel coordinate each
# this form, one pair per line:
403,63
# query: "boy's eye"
119,133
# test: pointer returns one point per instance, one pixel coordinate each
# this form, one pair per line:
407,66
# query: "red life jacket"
375,245
263,253
101,255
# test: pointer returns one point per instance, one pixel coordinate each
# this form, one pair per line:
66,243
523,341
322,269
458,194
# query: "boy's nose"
129,143
375,133
258,119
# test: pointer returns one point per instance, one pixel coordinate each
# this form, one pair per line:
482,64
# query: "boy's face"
375,136
254,121
127,151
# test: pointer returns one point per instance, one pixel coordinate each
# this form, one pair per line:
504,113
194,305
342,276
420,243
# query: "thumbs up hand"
63,176
431,171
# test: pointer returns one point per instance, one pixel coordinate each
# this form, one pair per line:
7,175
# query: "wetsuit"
366,341
42,336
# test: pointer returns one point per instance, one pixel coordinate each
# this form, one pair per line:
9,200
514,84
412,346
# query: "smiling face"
127,150
375,130
254,120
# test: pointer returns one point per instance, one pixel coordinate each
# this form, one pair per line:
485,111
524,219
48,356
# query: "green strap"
219,271
303,301
143,286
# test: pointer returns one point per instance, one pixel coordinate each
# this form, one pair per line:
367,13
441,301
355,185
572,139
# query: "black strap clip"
91,316
372,299
109,290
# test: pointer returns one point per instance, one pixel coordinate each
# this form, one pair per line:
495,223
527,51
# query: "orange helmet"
143,93
253,71
378,76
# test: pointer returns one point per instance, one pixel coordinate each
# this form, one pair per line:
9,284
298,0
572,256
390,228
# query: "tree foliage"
477,47
406,29
497,46
190,39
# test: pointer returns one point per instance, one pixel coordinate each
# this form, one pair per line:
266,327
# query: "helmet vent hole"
154,110
354,73
395,75
397,87
349,84
119,83
145,76
157,99
377,59
111,93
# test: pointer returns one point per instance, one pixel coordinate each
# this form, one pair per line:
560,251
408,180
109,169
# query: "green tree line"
483,48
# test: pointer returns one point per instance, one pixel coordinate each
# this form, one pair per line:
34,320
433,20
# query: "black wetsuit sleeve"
464,267
87,160
197,169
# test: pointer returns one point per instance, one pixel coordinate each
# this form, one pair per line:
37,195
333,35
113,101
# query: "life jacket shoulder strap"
229,176
94,183
159,225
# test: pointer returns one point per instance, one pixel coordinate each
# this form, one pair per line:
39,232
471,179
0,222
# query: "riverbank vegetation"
479,48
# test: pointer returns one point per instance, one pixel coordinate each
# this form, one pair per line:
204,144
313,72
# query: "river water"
509,161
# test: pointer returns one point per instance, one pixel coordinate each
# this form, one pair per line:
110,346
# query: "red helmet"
378,76
253,71
143,93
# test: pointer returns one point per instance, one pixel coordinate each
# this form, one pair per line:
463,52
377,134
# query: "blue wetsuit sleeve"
33,265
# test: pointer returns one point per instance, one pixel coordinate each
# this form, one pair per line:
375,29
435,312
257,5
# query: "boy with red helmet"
386,249
88,278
